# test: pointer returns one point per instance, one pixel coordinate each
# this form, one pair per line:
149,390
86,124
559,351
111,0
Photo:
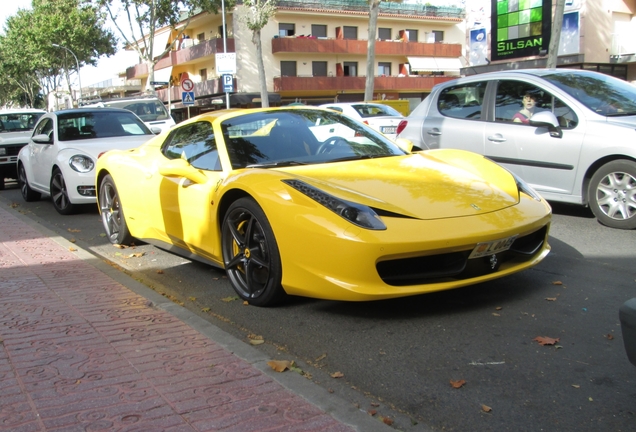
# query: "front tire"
612,194
112,213
59,194
250,253
28,194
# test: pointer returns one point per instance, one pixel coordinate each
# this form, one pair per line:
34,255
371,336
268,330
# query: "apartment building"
314,52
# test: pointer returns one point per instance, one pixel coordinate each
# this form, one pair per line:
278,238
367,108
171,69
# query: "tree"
145,17
258,14
30,63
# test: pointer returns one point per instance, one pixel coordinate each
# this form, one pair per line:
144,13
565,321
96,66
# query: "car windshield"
18,122
367,110
603,94
298,137
147,109
98,124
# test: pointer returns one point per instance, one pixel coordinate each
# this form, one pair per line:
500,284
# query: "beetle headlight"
81,163
526,188
357,214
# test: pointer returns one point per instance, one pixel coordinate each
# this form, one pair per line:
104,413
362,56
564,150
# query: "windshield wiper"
620,114
278,164
359,157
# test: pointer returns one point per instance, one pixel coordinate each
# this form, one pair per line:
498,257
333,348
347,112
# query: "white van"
148,108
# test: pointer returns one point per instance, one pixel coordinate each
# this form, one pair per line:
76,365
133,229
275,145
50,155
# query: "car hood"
94,147
627,121
428,185
15,137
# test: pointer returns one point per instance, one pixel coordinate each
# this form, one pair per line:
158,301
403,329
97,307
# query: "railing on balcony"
347,83
351,46
414,9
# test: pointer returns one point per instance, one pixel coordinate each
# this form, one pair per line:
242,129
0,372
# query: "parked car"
150,109
255,192
627,316
380,117
15,129
578,146
60,157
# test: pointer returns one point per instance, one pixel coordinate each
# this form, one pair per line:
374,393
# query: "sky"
107,67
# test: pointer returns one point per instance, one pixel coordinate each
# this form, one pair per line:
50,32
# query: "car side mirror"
155,130
42,139
404,144
181,168
548,120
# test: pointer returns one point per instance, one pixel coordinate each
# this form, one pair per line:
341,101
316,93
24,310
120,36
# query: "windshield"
368,110
147,109
299,137
99,124
603,94
22,122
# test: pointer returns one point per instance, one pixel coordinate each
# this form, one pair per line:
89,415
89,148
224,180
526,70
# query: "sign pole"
227,95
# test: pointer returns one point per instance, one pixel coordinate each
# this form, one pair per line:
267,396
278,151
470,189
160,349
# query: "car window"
85,125
18,122
462,101
366,110
510,108
44,127
195,143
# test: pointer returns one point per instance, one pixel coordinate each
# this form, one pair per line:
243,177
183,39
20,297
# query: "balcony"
205,89
351,46
183,56
334,85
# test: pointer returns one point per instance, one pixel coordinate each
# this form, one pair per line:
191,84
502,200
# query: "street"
463,360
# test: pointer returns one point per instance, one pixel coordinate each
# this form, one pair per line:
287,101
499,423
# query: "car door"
186,214
456,118
546,162
42,156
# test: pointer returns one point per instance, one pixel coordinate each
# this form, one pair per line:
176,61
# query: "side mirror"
155,130
548,120
181,168
42,139
404,144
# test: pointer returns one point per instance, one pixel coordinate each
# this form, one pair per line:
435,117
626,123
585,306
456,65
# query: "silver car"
380,117
571,134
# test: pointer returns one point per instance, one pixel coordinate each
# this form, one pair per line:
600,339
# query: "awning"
163,75
159,44
435,64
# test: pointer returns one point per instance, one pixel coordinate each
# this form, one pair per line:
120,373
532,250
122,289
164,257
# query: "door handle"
434,132
497,138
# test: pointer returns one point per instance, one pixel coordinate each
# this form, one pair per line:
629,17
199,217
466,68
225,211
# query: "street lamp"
78,71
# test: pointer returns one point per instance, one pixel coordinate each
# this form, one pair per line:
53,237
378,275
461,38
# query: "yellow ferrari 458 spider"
305,201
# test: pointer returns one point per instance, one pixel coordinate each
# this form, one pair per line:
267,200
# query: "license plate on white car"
492,247
388,129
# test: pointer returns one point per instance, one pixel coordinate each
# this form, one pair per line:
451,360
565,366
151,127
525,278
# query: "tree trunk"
256,39
374,7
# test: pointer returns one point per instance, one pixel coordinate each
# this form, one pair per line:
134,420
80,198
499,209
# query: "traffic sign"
159,83
228,83
225,63
187,98
187,85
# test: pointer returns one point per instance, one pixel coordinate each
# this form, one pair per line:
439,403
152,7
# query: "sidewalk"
84,347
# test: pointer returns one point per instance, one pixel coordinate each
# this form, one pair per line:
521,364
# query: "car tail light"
401,127
100,155
366,122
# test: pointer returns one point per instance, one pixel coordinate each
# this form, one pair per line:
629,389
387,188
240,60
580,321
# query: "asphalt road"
398,357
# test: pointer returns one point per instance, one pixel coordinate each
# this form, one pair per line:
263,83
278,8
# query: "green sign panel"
520,28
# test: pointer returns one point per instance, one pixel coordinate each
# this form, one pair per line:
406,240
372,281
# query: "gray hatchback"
570,133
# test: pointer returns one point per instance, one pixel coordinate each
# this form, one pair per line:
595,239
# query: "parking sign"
228,83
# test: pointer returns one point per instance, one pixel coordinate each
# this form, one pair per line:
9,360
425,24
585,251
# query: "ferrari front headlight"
357,214
81,163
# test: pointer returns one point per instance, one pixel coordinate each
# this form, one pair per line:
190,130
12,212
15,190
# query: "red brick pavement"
81,352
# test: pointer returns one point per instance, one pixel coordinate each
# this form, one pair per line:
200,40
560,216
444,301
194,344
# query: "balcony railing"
202,89
352,46
346,84
411,9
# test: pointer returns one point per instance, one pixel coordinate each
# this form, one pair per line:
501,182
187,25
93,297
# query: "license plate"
388,129
491,248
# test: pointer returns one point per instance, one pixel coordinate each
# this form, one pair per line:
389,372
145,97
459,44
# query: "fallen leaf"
192,298
610,336
159,271
550,298
372,412
246,303
387,421
486,408
375,404
495,314
74,230
557,283
330,390
544,340
590,399
14,205
205,310
229,299
337,375
576,386
322,357
256,341
120,246
457,384
279,365
498,308
102,235
72,249
72,240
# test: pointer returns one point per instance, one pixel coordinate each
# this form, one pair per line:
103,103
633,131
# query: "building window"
201,37
350,68
384,69
288,68
412,35
319,68
319,30
204,74
384,33
286,29
350,32
220,32
439,35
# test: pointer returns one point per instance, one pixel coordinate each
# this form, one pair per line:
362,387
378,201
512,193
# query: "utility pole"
555,37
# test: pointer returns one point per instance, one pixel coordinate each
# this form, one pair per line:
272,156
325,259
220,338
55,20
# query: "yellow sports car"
305,201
